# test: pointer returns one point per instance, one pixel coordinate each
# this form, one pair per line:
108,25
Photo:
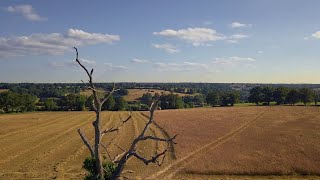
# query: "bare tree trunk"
97,153
98,134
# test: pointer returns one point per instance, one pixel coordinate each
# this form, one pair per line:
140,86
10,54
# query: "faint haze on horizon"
230,41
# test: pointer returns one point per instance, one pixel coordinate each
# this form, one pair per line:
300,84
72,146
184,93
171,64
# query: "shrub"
90,163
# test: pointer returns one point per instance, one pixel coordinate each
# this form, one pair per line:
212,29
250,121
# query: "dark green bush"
90,163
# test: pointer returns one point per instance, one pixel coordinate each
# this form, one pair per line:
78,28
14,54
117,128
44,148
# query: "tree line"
282,95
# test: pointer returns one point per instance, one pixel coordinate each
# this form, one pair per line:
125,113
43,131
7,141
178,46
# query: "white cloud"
260,52
239,25
92,38
316,35
113,67
86,61
233,60
56,65
236,37
139,61
185,66
167,47
27,12
195,36
53,44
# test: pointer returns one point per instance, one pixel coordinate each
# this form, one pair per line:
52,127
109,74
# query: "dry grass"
244,141
213,143
88,92
135,94
3,90
46,145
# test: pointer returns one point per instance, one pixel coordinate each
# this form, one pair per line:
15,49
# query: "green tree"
306,95
256,95
213,98
233,97
267,94
80,102
146,98
171,101
50,104
280,95
120,103
316,97
27,102
109,104
293,96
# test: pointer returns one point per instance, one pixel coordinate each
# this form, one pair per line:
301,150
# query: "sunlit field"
237,142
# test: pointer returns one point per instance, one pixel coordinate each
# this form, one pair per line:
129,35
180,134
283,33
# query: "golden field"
213,143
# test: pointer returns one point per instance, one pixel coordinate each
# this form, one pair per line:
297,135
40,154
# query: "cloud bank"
51,44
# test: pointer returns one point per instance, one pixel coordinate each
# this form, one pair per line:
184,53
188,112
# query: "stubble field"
224,143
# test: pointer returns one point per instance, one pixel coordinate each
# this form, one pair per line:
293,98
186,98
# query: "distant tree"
120,103
199,99
306,95
75,102
213,98
50,104
109,104
280,95
14,102
171,101
122,92
89,103
293,96
233,97
267,94
316,97
256,95
80,103
146,98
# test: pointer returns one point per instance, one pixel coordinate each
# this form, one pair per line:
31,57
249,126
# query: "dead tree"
121,159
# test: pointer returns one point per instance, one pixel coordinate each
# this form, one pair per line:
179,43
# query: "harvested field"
135,94
3,90
244,141
225,143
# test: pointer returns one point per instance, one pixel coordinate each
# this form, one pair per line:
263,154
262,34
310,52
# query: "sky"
230,41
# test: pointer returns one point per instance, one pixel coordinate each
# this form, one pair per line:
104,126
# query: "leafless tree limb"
154,159
86,142
122,158
159,139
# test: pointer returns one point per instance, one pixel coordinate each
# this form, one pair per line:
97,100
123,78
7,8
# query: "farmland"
135,94
247,142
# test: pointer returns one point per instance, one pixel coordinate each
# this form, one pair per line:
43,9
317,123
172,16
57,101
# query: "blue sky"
265,41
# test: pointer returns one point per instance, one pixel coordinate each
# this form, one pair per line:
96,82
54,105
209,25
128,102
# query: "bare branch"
113,128
78,61
159,139
109,94
86,142
115,159
154,159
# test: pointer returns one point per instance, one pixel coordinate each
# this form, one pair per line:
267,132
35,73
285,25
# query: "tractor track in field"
59,167
49,122
9,158
178,165
167,136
